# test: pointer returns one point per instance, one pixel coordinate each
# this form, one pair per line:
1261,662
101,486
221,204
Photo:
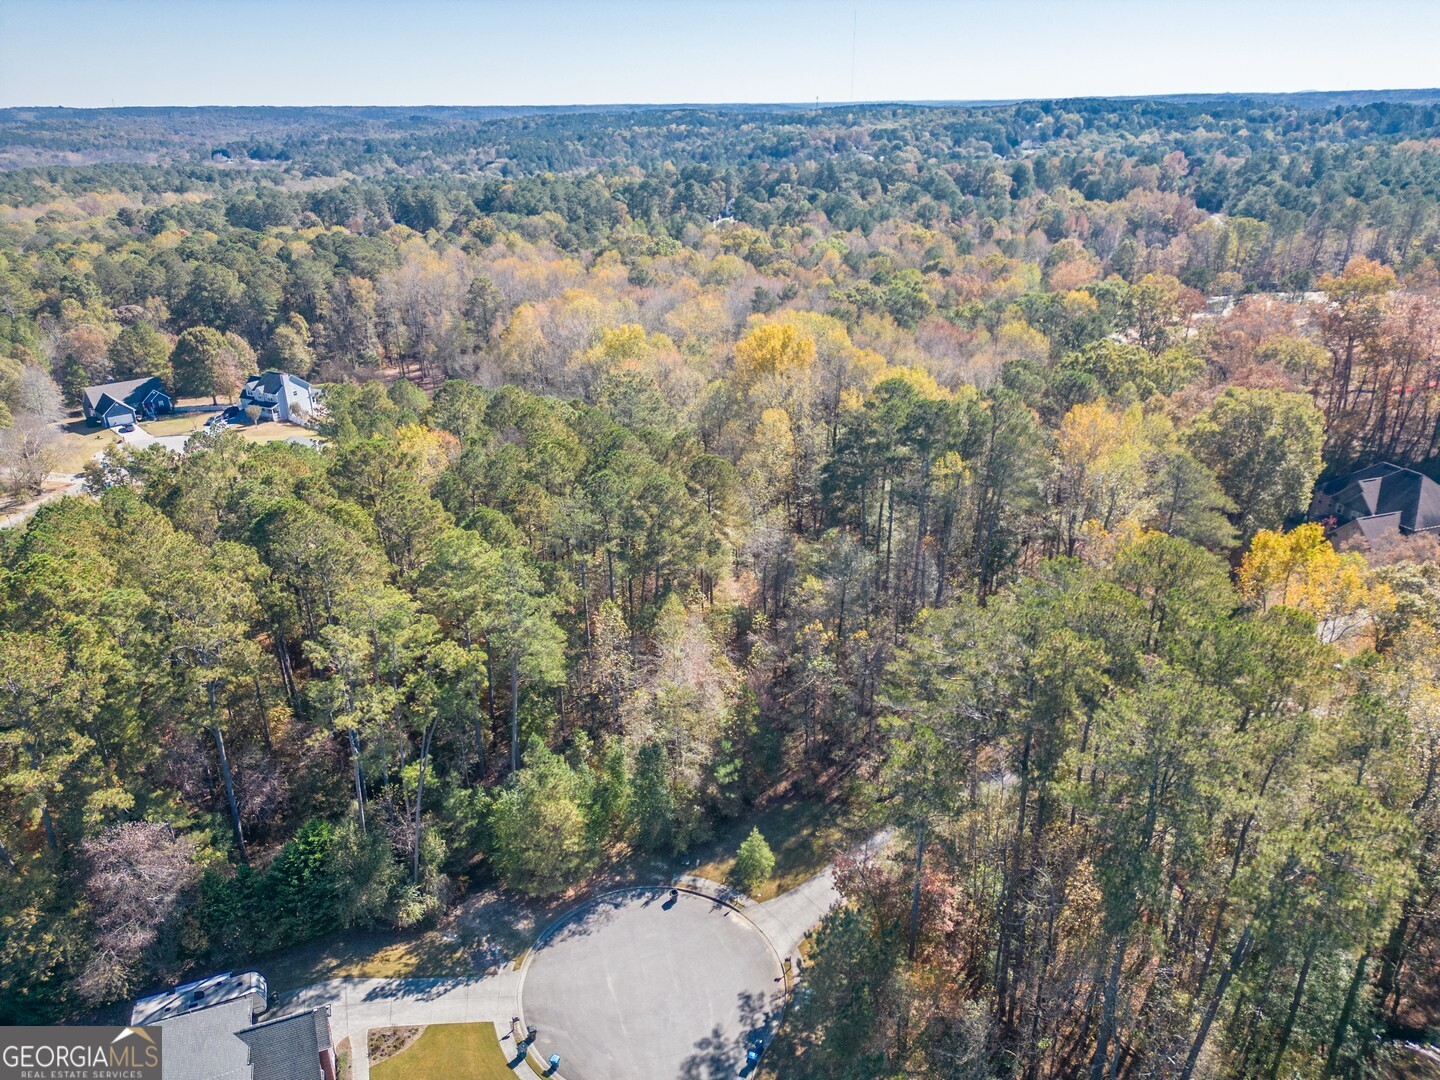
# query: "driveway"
787,918
140,439
69,484
357,1005
74,483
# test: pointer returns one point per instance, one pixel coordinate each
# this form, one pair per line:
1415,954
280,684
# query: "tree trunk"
1237,957
359,775
287,671
490,684
1011,873
420,798
1284,1042
915,893
479,741
1099,1061
229,790
514,715
264,715
1342,1026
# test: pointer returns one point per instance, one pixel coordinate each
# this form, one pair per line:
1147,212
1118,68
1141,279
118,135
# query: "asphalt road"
637,986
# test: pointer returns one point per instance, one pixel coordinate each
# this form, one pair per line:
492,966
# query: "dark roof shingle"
121,391
1384,488
288,1048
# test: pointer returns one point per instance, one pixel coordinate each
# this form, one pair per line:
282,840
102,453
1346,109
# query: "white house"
280,396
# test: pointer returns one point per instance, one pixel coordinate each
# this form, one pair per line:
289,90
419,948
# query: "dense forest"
950,462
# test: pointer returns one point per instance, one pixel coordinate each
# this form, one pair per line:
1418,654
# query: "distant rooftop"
1386,489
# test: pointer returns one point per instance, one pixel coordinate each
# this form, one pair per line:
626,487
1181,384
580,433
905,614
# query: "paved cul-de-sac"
646,986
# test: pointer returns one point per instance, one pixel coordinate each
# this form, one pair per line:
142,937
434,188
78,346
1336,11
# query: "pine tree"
754,862
652,803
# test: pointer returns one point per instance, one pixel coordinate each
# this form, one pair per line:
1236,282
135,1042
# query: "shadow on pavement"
594,915
715,1057
414,989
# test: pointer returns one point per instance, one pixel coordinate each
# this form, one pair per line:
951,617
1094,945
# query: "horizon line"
799,105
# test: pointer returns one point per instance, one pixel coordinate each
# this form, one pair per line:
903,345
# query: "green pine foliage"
754,862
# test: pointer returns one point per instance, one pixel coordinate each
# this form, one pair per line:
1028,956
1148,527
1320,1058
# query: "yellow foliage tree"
522,344
1301,569
1100,479
770,466
433,449
772,349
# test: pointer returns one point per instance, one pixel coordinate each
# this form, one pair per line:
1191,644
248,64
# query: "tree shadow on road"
414,989
597,913
716,1056
720,1055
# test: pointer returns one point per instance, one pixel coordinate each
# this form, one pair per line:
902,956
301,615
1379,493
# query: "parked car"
127,429
230,413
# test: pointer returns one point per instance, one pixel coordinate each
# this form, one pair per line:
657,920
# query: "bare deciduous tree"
140,875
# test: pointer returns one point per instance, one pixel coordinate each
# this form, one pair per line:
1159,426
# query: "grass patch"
444,1051
366,955
179,424
270,432
78,443
804,834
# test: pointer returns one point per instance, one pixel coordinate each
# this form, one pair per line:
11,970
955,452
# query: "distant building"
120,403
211,1032
280,396
1376,503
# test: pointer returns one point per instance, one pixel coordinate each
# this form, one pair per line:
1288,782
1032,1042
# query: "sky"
97,53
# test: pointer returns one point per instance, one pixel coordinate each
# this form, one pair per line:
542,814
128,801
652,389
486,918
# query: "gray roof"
201,1045
138,389
288,1048
1379,526
273,382
1384,488
220,1043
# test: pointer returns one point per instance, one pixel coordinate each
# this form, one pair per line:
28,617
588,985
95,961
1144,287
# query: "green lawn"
804,834
448,1050
78,443
178,424
271,431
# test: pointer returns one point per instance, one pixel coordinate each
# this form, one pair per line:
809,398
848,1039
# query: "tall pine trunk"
229,790
514,715
915,892
359,776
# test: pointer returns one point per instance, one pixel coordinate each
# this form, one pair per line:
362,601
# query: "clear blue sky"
508,52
